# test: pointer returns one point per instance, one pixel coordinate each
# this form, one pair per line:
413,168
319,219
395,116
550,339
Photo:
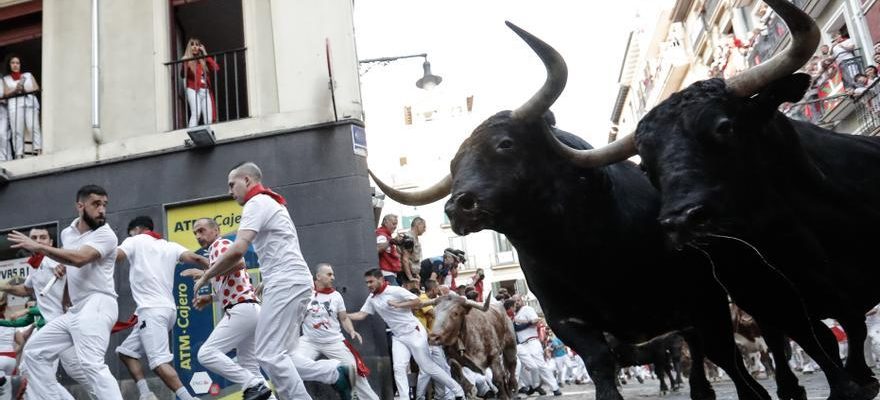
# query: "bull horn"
804,40
482,307
417,197
534,109
557,75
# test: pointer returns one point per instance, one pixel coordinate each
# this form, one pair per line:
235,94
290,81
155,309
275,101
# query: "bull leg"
508,385
699,384
819,343
590,344
857,332
787,387
661,371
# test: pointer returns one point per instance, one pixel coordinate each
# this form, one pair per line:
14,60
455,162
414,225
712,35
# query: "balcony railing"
868,109
219,98
20,115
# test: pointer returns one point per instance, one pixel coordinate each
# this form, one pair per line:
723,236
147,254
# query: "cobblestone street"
814,383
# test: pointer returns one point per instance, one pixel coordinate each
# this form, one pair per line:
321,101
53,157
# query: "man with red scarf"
386,246
322,333
241,310
287,286
395,304
49,302
152,261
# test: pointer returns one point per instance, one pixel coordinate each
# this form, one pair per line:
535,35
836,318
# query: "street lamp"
427,81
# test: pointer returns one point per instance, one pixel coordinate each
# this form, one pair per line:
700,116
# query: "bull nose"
690,218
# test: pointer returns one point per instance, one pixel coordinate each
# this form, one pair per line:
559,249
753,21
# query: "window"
502,245
21,31
406,221
459,243
221,93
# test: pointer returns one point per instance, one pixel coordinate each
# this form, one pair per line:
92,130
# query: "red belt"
10,354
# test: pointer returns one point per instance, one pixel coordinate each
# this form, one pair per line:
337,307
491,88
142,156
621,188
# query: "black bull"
588,240
788,211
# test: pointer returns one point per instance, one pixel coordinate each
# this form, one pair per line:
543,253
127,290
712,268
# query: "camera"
406,242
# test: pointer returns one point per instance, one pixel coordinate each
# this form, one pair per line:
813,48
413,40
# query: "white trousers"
277,334
872,344
531,355
339,352
234,332
415,344
23,117
440,392
150,337
482,382
86,327
561,369
5,148
71,366
200,106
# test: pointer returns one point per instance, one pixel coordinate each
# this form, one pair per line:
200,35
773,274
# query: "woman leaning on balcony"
199,93
23,107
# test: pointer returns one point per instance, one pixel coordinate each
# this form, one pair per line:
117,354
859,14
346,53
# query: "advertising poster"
192,326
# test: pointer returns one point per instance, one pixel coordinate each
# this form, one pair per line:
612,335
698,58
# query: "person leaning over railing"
199,90
22,105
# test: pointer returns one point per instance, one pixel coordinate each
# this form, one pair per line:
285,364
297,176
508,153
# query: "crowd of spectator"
19,110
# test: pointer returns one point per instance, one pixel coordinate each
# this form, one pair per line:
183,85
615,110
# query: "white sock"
182,394
143,388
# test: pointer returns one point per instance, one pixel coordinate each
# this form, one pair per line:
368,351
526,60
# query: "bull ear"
788,89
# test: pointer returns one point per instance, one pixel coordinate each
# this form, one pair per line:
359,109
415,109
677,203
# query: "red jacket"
192,77
389,260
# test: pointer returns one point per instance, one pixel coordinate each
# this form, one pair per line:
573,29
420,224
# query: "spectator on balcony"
842,50
876,56
22,106
861,84
871,73
199,91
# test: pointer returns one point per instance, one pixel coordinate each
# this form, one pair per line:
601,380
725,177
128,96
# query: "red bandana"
123,325
260,189
362,368
325,291
155,235
36,259
381,288
15,75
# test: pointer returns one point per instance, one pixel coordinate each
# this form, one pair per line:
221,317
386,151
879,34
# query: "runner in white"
235,331
90,252
287,287
7,353
529,350
152,261
42,271
395,304
322,334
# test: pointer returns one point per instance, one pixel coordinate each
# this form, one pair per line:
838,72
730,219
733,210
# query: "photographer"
386,246
443,268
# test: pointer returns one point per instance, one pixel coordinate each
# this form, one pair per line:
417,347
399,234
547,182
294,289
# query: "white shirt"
96,276
401,321
524,315
321,324
151,275
28,100
50,304
276,242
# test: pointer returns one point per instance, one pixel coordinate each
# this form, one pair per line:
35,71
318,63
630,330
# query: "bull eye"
505,144
724,127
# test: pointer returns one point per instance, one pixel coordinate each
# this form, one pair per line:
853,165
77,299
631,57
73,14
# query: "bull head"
710,147
492,168
450,312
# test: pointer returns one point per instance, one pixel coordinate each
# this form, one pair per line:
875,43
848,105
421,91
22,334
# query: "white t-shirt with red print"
321,324
234,287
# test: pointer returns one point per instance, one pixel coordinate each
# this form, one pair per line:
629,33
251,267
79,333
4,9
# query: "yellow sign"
181,219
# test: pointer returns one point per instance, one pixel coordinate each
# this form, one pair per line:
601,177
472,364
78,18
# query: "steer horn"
804,40
479,306
534,109
417,197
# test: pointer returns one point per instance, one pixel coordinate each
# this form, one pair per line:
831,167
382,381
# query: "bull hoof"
851,391
702,394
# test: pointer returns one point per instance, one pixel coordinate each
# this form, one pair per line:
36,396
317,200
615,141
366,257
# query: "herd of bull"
732,200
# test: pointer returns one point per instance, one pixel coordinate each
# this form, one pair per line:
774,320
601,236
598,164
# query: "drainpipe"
96,105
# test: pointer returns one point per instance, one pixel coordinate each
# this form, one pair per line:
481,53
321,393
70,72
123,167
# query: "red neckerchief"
36,259
381,288
325,291
260,189
155,235
15,75
123,325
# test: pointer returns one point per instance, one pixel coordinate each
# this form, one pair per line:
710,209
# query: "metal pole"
96,74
